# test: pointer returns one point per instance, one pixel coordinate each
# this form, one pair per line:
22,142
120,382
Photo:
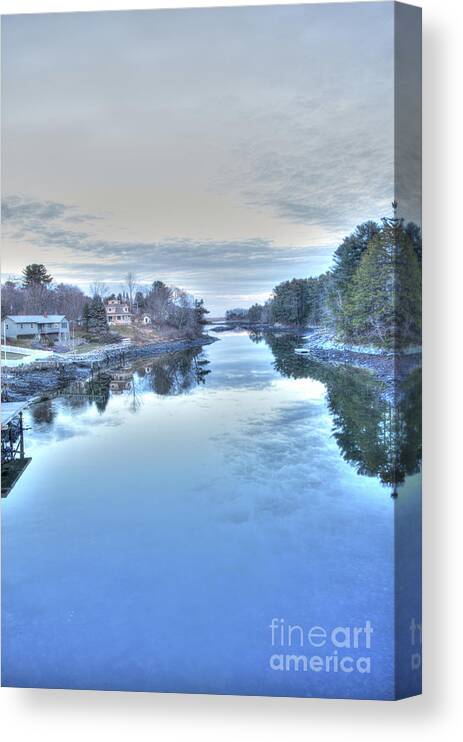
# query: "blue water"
152,540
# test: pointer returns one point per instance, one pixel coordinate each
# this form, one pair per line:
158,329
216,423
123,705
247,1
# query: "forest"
371,294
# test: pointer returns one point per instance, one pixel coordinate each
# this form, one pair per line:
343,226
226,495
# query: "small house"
16,326
118,312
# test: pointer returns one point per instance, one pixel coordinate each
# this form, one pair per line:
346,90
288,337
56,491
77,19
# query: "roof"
42,318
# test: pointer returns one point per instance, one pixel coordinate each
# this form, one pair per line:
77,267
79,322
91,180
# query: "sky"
219,150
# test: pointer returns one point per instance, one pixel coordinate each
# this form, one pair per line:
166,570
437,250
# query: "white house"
35,325
118,313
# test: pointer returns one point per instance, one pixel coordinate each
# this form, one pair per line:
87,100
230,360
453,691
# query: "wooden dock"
14,462
10,410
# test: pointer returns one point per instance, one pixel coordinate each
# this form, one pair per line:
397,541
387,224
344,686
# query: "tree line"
36,293
166,306
372,293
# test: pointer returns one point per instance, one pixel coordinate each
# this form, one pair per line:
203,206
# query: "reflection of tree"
173,373
378,436
256,336
98,389
177,373
43,413
82,393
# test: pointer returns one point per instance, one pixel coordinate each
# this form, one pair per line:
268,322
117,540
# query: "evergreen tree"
86,316
199,313
349,253
255,313
290,302
158,302
97,323
139,300
299,302
383,304
35,275
414,233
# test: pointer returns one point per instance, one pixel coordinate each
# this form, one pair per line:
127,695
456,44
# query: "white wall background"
75,715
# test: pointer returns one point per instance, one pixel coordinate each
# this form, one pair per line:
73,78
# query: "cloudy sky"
220,150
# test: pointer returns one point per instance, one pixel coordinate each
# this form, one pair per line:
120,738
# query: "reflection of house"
118,312
35,325
121,381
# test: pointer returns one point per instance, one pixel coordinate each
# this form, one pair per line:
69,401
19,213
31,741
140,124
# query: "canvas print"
211,350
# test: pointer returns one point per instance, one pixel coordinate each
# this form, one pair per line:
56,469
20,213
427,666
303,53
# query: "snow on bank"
325,341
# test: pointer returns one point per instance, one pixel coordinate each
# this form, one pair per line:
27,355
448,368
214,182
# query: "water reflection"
176,373
377,430
377,427
171,374
216,509
43,413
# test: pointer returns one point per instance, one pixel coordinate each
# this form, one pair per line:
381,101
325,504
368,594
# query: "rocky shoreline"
389,367
391,370
37,380
254,327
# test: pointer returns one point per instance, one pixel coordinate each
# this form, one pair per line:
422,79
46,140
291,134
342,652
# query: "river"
175,512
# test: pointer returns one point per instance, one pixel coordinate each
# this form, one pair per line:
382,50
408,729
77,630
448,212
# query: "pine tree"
86,316
255,313
349,254
97,323
200,312
36,274
291,302
383,304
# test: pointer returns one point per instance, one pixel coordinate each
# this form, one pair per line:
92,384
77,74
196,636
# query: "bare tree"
98,288
12,297
181,314
131,284
38,299
69,300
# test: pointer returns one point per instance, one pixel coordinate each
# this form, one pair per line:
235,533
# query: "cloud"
224,149
329,161
30,212
225,271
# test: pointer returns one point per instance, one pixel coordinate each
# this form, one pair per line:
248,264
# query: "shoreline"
34,382
316,338
388,366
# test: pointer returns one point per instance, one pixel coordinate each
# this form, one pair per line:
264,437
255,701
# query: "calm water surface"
169,513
